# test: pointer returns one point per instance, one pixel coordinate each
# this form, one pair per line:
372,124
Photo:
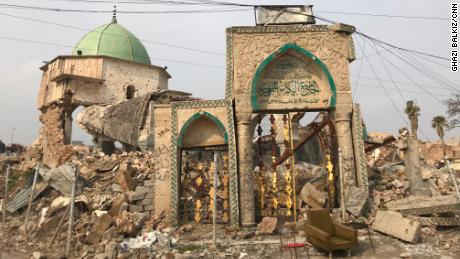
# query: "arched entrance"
201,138
289,83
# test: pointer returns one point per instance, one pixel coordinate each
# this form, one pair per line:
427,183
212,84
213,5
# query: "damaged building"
276,72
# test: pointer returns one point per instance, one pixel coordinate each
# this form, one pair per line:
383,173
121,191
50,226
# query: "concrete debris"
267,225
39,255
61,178
146,240
394,224
311,196
102,224
425,205
125,179
117,213
356,201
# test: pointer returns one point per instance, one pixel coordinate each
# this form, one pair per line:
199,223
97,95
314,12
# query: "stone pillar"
413,168
245,169
67,127
342,117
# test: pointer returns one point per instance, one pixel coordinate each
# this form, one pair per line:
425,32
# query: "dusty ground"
197,243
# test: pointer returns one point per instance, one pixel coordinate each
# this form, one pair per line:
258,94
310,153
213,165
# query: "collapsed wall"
55,152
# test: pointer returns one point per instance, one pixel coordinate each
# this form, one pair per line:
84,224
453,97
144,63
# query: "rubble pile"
389,182
114,201
115,216
420,218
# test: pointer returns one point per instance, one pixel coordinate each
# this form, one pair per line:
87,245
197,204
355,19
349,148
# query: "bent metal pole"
71,212
342,186
5,196
31,197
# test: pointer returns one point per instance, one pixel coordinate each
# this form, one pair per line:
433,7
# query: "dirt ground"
197,243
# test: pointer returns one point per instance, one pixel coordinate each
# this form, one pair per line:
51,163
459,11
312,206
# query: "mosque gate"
283,70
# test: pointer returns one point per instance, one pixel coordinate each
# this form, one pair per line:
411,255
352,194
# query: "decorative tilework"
358,146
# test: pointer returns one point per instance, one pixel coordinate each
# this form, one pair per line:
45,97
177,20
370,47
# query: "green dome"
113,40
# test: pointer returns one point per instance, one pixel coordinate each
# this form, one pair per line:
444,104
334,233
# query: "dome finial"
114,16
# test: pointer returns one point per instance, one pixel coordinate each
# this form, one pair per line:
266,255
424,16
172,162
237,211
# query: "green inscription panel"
292,80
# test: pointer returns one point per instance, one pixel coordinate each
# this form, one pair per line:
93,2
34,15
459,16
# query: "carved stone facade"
250,48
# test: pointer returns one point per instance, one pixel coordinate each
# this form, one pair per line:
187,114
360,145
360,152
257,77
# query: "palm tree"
412,111
438,123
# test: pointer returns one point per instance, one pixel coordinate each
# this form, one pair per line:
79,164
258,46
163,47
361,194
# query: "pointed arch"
278,53
196,117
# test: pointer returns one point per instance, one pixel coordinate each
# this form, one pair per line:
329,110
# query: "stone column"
342,117
245,169
413,168
67,127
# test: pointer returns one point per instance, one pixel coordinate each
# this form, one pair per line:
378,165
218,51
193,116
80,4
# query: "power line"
68,46
383,42
385,15
200,3
359,70
65,10
402,90
221,67
386,93
389,97
87,30
159,2
389,74
420,70
431,61
401,82
407,76
433,73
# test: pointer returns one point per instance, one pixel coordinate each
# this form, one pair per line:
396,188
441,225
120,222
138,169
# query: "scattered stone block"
116,188
419,205
117,205
145,202
39,255
103,223
134,196
149,183
356,201
267,225
142,189
125,177
150,195
313,197
148,207
394,224
136,208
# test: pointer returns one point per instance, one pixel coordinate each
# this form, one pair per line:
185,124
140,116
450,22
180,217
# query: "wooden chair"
289,244
322,232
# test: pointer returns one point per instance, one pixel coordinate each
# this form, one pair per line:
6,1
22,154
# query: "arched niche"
201,130
292,78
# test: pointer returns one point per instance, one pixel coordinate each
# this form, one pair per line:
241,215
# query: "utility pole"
12,135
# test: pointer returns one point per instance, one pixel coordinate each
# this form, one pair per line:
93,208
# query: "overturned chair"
322,232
